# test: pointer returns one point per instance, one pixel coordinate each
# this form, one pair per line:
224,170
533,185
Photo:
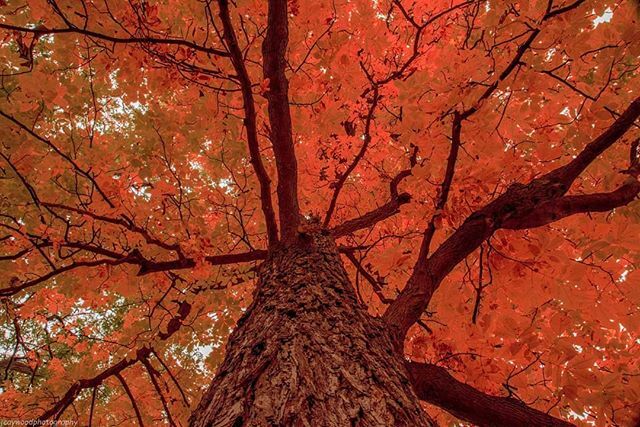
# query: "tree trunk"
307,354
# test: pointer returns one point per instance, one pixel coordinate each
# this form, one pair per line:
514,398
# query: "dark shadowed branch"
134,257
373,217
363,149
384,211
141,355
274,49
435,385
562,207
445,187
40,30
125,386
375,283
533,204
153,375
237,58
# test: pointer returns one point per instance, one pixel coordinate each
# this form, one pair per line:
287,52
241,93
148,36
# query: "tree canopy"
476,161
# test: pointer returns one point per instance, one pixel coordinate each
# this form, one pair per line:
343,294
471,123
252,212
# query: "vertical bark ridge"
307,354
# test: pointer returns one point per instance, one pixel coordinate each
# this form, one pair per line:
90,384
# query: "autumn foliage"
482,156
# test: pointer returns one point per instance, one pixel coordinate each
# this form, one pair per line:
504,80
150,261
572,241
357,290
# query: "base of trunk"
307,354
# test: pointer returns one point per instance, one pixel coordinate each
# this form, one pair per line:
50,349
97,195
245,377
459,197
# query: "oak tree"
346,212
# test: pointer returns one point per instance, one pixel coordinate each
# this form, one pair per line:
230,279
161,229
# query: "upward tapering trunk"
307,354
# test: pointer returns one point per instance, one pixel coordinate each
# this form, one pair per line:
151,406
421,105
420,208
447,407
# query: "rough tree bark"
307,354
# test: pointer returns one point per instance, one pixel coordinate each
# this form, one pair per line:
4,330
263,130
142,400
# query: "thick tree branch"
456,135
373,217
385,211
519,203
274,49
148,267
456,128
435,385
237,59
556,209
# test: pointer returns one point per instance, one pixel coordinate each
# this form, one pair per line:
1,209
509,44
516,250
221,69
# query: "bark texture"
307,354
